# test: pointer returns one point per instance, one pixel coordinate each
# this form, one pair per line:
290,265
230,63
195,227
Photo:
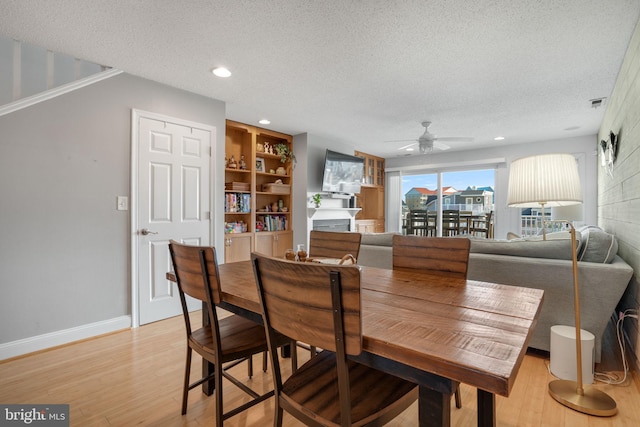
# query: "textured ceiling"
361,72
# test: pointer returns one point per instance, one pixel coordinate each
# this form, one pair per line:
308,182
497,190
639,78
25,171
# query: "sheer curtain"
393,201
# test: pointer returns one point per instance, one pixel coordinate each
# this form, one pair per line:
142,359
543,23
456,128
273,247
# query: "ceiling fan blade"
440,145
402,140
407,146
455,138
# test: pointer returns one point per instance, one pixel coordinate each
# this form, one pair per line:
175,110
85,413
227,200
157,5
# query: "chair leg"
218,392
458,398
185,389
294,357
264,361
250,366
277,418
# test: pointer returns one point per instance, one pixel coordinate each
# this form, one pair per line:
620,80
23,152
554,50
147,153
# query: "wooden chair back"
450,222
300,300
418,222
334,244
196,270
443,256
483,225
189,262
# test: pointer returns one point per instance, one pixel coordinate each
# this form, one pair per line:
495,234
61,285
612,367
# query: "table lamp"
552,180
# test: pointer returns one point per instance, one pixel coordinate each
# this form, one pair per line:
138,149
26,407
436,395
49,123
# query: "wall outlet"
122,203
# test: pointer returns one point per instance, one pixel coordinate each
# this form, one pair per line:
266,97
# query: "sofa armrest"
601,287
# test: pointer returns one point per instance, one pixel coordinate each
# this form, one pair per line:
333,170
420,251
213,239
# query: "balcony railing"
474,208
531,225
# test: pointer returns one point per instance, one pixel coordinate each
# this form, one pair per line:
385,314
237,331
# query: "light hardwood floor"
134,377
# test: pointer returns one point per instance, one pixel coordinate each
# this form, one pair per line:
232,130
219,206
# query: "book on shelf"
237,203
272,223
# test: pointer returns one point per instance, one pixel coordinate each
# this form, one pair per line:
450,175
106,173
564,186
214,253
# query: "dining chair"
432,223
441,256
320,304
419,222
465,222
483,225
334,244
450,222
224,341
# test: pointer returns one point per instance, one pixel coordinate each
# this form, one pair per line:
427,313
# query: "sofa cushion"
560,235
550,249
598,245
377,239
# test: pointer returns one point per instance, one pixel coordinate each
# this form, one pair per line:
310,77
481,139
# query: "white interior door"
172,202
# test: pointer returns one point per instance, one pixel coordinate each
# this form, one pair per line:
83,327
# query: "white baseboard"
52,339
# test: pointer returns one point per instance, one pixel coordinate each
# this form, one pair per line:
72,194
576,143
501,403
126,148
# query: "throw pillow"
598,245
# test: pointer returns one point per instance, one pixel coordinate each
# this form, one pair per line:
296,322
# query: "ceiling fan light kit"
426,147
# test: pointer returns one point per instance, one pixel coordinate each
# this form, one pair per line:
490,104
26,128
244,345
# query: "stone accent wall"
619,194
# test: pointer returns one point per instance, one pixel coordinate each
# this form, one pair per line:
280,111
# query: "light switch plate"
122,203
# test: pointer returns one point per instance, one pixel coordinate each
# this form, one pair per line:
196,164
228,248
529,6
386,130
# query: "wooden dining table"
432,330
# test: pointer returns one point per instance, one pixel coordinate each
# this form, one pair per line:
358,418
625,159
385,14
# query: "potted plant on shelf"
284,152
317,199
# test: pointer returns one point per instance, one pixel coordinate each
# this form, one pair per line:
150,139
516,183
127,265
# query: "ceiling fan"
427,142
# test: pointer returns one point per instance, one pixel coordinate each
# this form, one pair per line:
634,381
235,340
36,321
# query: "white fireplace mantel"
332,213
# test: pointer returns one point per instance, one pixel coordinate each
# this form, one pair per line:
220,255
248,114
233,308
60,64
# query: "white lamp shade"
549,179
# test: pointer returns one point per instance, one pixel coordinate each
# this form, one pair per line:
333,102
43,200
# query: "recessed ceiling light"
264,122
221,72
410,149
498,138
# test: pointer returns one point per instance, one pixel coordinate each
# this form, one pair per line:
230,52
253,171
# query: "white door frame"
133,205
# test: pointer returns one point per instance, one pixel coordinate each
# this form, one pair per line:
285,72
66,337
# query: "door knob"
146,231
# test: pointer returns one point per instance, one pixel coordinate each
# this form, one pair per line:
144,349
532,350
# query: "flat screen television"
342,173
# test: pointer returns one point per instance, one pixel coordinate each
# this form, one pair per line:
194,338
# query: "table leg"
434,408
486,409
208,387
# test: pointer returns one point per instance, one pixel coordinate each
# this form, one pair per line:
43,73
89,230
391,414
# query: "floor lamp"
552,180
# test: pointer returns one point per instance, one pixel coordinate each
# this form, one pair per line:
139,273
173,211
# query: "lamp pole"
572,393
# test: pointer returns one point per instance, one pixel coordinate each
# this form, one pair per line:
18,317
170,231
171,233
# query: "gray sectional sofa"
546,265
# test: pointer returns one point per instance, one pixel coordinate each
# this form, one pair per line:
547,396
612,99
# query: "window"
470,191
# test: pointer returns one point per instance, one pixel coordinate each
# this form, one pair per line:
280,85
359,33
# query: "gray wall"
316,151
65,250
619,195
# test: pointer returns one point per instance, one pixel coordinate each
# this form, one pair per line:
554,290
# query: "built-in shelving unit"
258,192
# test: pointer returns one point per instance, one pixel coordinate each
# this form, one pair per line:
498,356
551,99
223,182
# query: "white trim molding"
442,167
52,339
57,91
